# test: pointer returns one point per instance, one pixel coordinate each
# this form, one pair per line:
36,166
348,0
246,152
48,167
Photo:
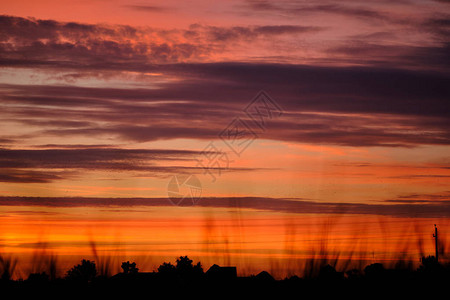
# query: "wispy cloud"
328,105
149,8
302,8
47,165
410,210
441,198
28,42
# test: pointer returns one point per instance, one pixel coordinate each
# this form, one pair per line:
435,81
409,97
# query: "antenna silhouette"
435,235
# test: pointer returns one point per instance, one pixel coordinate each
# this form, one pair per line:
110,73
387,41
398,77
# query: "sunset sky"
102,103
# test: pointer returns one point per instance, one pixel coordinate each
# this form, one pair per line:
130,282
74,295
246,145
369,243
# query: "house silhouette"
216,272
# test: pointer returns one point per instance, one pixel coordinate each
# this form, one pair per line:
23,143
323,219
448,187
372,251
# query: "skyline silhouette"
290,144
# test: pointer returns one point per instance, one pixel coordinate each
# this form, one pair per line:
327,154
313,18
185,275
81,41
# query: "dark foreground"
187,279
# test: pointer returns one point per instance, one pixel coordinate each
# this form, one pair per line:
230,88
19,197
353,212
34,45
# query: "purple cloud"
410,210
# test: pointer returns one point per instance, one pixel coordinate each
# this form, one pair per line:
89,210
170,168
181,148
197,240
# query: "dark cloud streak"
47,165
421,210
149,8
333,105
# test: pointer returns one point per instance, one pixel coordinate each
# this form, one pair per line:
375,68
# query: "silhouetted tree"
166,269
183,268
353,274
86,271
198,269
184,264
129,268
329,273
186,269
375,271
38,277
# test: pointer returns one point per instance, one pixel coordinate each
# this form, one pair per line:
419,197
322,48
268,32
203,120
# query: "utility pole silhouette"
435,235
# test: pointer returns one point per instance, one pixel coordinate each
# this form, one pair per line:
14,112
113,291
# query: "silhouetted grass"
326,264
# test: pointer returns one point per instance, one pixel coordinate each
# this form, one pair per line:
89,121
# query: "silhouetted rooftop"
221,273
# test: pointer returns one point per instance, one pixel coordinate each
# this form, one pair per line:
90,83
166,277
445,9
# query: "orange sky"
252,240
105,100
